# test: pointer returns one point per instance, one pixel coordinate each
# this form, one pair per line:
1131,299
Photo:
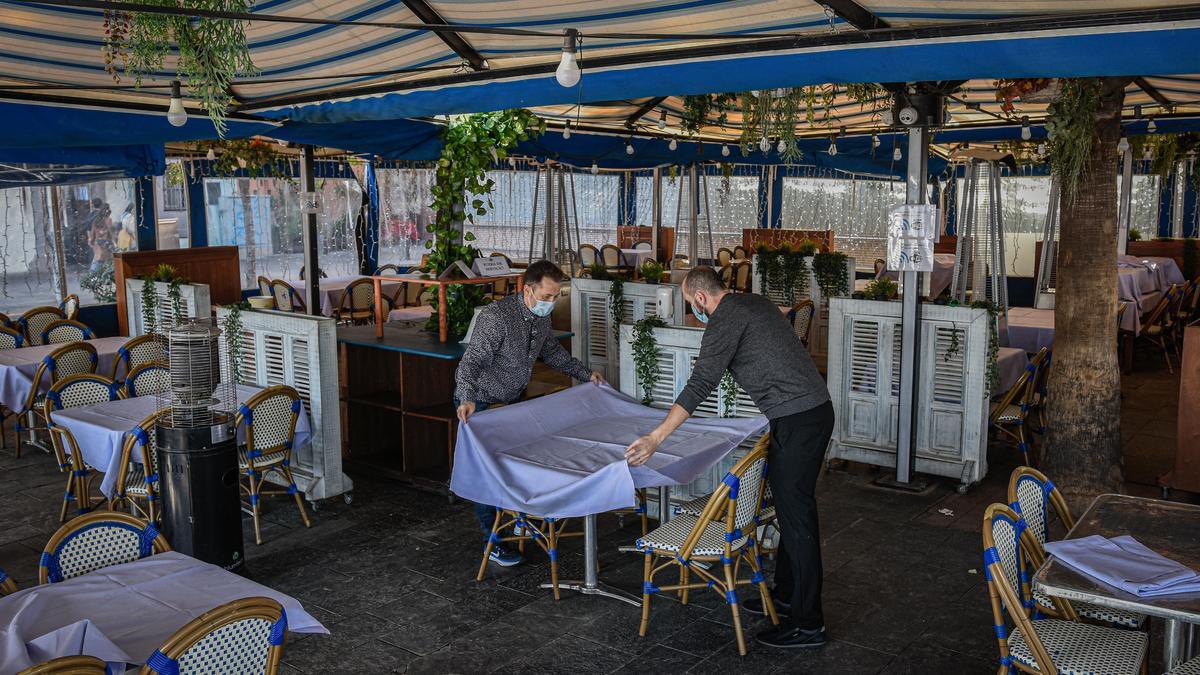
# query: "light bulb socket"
571,41
176,89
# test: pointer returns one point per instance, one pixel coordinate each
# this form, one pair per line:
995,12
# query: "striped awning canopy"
337,61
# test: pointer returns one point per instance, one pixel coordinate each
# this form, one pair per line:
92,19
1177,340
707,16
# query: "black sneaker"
790,637
504,557
754,605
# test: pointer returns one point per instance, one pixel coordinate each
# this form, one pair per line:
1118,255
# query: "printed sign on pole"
912,229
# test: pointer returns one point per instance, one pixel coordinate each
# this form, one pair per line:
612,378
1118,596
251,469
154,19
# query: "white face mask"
541,307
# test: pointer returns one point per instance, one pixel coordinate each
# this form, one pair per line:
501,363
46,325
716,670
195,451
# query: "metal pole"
60,257
910,334
551,215
308,232
1125,202
656,212
693,224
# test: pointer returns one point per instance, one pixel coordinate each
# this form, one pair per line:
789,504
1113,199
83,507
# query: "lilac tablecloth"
563,455
17,367
1030,329
634,257
939,279
100,430
1163,271
1126,563
121,614
333,287
1010,365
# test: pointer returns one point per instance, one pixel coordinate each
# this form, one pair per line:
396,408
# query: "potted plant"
652,271
808,248
598,271
880,289
1135,235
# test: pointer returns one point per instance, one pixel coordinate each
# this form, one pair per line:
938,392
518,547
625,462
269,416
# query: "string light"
724,149
781,147
662,120
1026,133
567,130
629,147
568,72
673,145
212,155
595,168
1123,145
764,145
874,141
176,115
1151,127
1042,148
897,155
833,146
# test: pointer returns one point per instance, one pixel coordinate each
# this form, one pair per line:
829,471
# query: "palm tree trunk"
1083,446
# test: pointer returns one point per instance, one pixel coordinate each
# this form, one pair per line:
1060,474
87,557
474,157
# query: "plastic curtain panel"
405,193
733,201
854,207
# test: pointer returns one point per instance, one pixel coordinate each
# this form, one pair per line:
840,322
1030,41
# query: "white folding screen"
194,303
594,342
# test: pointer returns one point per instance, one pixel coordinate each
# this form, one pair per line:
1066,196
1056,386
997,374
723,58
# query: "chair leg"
487,548
684,578
68,497
255,485
731,598
647,574
755,564
287,472
552,536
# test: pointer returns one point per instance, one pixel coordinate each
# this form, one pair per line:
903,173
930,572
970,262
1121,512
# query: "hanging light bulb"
874,141
1026,133
724,149
212,155
781,147
567,131
897,155
629,147
662,120
176,115
764,144
595,168
1151,127
833,147
568,72
673,145
1123,145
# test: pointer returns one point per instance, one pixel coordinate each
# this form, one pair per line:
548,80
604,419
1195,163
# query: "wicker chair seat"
1011,415
135,482
1107,615
1190,668
1083,649
673,535
267,459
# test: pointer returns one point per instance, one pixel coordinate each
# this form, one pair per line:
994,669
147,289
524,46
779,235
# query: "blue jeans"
485,513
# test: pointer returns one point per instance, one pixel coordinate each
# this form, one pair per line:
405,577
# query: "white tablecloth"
563,455
333,287
121,614
100,431
634,257
17,367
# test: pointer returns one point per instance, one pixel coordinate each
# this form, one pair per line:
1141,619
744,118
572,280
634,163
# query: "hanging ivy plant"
697,111
645,355
471,145
209,52
1071,128
830,272
175,295
768,267
252,155
232,328
993,372
149,307
616,305
728,389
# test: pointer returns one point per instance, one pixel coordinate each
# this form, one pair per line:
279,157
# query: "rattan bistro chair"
1157,326
69,665
1076,647
137,351
801,316
95,541
1032,495
724,534
724,257
264,285
70,359
589,255
242,637
70,307
74,392
64,331
357,304
741,277
543,531
137,482
148,379
34,322
7,585
270,419
614,260
1010,414
286,297
739,253
9,339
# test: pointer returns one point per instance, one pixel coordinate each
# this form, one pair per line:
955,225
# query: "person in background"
127,230
100,238
508,337
747,335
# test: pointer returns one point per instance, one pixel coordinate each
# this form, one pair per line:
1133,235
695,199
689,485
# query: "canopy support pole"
1126,201
60,264
656,215
308,232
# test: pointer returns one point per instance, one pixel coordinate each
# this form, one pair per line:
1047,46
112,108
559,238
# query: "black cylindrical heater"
197,452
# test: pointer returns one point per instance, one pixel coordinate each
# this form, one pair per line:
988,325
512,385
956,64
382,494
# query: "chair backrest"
97,540
724,257
75,358
7,322
643,246
801,317
1158,316
70,307
1017,394
1041,363
742,277
387,270
141,441
242,636
358,296
286,297
264,285
80,390
880,266
1031,494
34,322
10,338
7,585
69,665
137,351
148,379
588,255
1003,532
611,255
736,502
66,330
739,252
727,276
270,417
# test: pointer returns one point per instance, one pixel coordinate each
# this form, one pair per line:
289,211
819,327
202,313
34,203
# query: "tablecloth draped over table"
333,287
123,613
1010,365
940,277
563,455
634,257
100,430
1164,271
1030,329
17,367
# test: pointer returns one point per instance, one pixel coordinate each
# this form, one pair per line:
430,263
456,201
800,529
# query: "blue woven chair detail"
269,419
135,352
34,322
95,541
72,392
243,636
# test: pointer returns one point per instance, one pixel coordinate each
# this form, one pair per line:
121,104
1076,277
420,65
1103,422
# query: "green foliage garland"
149,307
210,52
1071,127
175,295
830,272
252,155
728,389
880,289
768,267
794,274
993,373
232,327
616,306
645,355
472,144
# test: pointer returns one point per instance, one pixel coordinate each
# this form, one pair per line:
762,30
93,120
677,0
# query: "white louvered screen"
864,353
194,303
591,321
300,350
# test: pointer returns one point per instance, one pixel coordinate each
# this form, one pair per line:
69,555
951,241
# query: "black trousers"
794,459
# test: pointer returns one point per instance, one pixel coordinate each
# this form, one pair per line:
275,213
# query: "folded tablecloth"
1125,563
563,455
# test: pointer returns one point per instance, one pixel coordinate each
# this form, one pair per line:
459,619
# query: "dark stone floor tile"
835,658
659,659
702,637
567,654
373,656
618,627
479,651
922,658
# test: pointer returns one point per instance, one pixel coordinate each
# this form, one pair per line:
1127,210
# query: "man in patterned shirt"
509,336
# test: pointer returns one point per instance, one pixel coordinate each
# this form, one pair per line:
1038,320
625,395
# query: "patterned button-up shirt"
507,339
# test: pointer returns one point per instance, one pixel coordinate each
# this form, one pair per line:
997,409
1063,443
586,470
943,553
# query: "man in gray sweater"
747,335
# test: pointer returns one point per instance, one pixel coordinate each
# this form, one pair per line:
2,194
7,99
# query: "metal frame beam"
453,40
1153,92
855,14
643,110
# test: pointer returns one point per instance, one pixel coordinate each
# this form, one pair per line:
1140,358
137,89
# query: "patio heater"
554,226
979,259
1047,272
197,449
693,215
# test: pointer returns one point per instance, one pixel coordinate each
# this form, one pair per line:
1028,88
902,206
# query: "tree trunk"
1082,452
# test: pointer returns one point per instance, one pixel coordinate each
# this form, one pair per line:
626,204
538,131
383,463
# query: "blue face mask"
542,308
700,316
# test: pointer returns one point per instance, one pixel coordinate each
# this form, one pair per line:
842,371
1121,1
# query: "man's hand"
598,379
465,410
640,450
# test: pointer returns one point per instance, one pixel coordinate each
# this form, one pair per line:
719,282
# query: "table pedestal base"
1180,641
590,584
